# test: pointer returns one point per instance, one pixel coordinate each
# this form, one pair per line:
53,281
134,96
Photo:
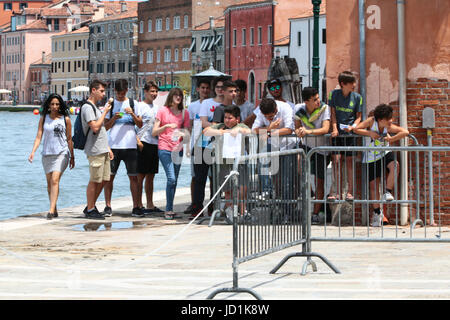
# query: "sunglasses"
273,88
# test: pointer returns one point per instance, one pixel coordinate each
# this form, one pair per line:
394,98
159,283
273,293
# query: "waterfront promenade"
59,259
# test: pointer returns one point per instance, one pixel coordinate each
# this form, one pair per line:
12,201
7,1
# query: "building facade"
301,47
70,62
20,48
164,42
7,7
207,45
40,78
113,50
249,44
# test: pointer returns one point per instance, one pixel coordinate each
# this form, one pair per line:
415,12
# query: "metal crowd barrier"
269,211
351,219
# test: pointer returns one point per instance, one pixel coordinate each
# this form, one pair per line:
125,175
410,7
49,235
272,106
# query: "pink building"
20,48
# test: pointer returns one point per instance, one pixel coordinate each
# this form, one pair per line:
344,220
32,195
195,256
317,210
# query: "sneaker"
94,214
377,220
189,210
85,210
315,219
50,216
321,215
388,196
107,212
154,210
137,212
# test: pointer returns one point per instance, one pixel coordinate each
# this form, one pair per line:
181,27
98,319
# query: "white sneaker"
377,219
388,196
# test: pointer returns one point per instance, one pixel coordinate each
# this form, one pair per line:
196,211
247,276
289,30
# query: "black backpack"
79,138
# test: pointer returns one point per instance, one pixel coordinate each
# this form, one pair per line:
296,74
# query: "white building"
301,46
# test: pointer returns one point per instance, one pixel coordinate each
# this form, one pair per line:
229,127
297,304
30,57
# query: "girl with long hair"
171,125
55,129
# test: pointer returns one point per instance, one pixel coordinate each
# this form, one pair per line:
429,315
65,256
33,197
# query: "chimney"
211,22
123,6
69,25
43,57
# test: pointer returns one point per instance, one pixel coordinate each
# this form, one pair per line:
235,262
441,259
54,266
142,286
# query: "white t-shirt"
285,114
246,110
148,113
207,110
122,134
194,110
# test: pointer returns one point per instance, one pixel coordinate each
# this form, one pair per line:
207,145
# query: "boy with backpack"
96,145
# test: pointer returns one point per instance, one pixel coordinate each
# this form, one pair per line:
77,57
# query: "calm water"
23,186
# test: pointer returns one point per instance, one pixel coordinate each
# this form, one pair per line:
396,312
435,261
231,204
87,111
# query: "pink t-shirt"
165,116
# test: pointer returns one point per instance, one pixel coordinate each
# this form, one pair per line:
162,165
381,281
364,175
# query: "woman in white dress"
56,130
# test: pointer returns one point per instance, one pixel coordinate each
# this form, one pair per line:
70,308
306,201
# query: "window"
149,56
23,5
121,66
167,23
234,37
56,24
68,45
299,39
100,67
252,36
149,25
55,46
167,55
269,34
84,66
176,22
158,24
244,37
141,57
63,66
101,46
175,53
7,6
186,21
185,53
324,36
63,45
141,27
62,89
158,56
74,66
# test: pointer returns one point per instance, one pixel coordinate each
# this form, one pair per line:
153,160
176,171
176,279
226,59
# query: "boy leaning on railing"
382,131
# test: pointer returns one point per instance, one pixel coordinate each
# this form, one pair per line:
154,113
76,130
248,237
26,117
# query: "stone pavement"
66,259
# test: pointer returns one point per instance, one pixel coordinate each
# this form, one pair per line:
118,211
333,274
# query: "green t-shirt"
219,126
345,107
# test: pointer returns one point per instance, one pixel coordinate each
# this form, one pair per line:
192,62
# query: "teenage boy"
313,119
275,119
97,150
203,89
382,131
148,160
346,108
245,106
120,122
202,159
276,92
231,125
229,94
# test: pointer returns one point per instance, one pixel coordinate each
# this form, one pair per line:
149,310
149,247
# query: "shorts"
57,162
148,160
377,167
224,171
129,156
99,167
343,141
319,163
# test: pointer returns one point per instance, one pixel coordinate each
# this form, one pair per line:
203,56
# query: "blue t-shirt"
346,108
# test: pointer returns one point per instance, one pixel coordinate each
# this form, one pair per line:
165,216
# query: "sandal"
50,216
169,215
